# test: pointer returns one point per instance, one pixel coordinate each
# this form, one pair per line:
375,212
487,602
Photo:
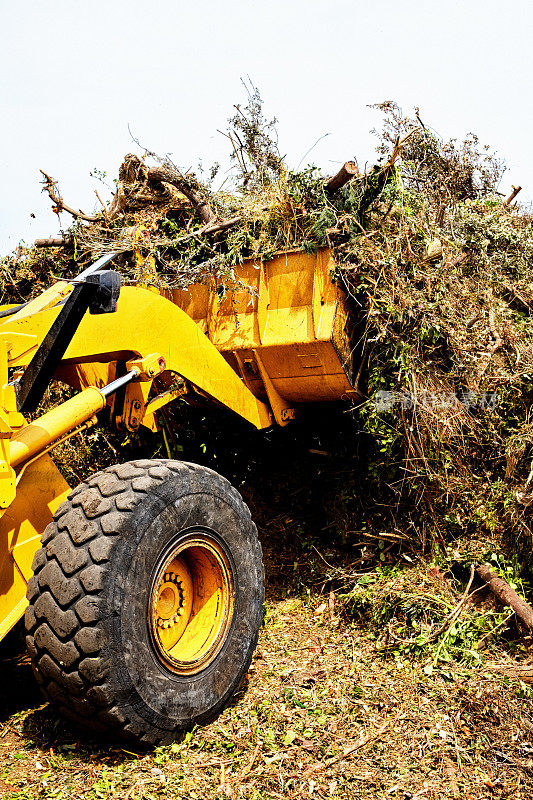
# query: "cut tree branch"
348,171
140,185
512,196
164,174
52,241
220,226
206,229
506,594
50,186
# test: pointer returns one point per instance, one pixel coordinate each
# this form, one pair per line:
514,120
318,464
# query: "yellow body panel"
40,491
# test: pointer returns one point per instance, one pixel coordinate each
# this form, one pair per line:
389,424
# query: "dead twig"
248,768
398,144
348,752
453,616
104,207
50,186
497,343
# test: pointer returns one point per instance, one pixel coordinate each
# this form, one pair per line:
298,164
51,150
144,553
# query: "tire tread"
63,635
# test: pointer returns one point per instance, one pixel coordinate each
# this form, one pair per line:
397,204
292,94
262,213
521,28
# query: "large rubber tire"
88,628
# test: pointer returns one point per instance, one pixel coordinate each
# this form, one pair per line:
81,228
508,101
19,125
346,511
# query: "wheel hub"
169,604
191,603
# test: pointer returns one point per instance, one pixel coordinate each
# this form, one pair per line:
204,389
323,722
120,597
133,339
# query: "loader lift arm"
145,322
99,294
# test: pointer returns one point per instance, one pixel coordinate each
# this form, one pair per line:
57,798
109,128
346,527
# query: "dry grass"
327,711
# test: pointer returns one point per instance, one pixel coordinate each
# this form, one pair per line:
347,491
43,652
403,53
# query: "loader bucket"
296,327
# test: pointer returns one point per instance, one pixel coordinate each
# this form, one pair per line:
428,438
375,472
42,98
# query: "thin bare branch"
50,186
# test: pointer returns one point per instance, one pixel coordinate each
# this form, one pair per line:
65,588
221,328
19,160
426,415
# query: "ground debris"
363,727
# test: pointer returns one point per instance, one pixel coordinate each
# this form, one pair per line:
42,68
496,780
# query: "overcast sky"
75,74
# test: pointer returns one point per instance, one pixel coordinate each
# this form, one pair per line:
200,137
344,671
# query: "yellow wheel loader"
142,588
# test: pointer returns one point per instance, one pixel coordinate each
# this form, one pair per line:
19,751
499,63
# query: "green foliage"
414,616
254,143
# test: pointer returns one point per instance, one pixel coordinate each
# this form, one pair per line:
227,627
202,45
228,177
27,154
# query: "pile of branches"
439,260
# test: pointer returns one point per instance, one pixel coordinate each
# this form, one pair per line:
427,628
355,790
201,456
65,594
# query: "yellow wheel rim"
191,604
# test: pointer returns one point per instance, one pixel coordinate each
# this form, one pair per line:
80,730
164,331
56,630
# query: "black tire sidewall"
142,682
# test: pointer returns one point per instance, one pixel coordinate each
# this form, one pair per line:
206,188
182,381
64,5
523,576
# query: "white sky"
74,74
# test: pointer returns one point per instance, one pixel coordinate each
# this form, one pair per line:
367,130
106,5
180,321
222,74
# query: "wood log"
506,594
52,241
458,260
164,174
512,196
348,171
140,185
524,672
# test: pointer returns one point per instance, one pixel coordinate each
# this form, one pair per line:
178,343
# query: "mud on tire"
100,599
